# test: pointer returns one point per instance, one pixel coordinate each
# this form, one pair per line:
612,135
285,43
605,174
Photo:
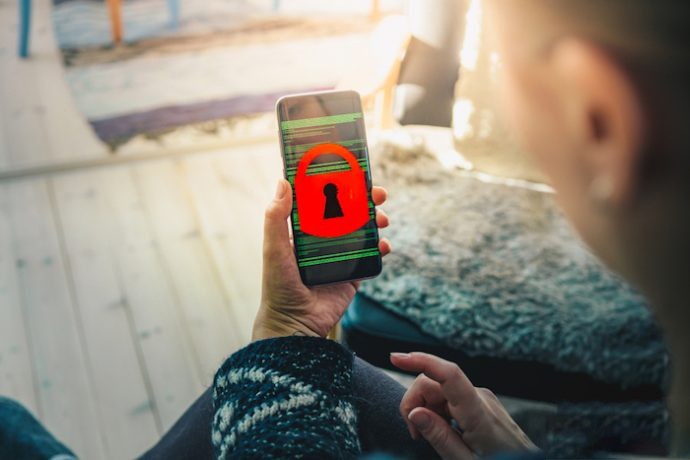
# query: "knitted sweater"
278,398
291,397
286,398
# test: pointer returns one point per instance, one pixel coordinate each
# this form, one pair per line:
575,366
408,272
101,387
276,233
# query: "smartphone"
326,160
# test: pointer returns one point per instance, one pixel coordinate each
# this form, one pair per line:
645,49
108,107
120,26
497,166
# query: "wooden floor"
122,286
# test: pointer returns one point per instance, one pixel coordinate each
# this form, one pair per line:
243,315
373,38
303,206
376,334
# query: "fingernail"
400,355
280,191
420,420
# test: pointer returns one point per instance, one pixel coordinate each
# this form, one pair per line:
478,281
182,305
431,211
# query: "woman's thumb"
439,434
276,234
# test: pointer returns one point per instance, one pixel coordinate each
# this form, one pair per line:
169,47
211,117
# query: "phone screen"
326,161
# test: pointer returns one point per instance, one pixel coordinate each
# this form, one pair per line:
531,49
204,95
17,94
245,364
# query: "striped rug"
225,59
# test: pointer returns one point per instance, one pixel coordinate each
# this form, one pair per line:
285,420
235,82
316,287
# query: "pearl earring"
601,189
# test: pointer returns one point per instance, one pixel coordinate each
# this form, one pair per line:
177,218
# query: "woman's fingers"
384,247
465,404
423,392
416,396
277,245
445,441
381,219
486,426
379,195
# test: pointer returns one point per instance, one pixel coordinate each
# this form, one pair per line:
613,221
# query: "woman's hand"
288,307
442,393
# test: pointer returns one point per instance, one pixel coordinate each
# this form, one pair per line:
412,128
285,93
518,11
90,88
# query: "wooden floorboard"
4,141
21,110
16,374
64,387
42,124
173,367
205,307
70,136
230,191
121,384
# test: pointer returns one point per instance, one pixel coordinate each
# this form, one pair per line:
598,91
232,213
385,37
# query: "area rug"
222,60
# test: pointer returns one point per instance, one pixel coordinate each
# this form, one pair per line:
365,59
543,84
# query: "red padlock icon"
317,191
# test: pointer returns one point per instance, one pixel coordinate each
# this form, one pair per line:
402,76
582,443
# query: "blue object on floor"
174,9
24,27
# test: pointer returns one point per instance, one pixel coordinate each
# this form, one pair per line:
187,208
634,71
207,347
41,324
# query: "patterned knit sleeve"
289,397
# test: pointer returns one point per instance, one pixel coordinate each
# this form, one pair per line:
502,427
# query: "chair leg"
24,27
375,11
174,9
115,8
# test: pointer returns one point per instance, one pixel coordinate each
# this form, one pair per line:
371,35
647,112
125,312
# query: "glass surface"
307,121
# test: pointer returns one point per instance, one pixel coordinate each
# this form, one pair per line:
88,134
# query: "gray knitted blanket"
494,269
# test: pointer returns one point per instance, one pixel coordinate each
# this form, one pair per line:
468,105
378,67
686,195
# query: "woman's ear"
604,113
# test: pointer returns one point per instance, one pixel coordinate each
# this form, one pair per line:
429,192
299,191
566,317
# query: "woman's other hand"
288,307
443,393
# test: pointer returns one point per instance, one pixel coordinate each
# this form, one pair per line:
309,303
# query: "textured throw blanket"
495,270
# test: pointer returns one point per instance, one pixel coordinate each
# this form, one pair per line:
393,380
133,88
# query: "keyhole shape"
333,208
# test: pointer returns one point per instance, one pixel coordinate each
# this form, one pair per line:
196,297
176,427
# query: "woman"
597,92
